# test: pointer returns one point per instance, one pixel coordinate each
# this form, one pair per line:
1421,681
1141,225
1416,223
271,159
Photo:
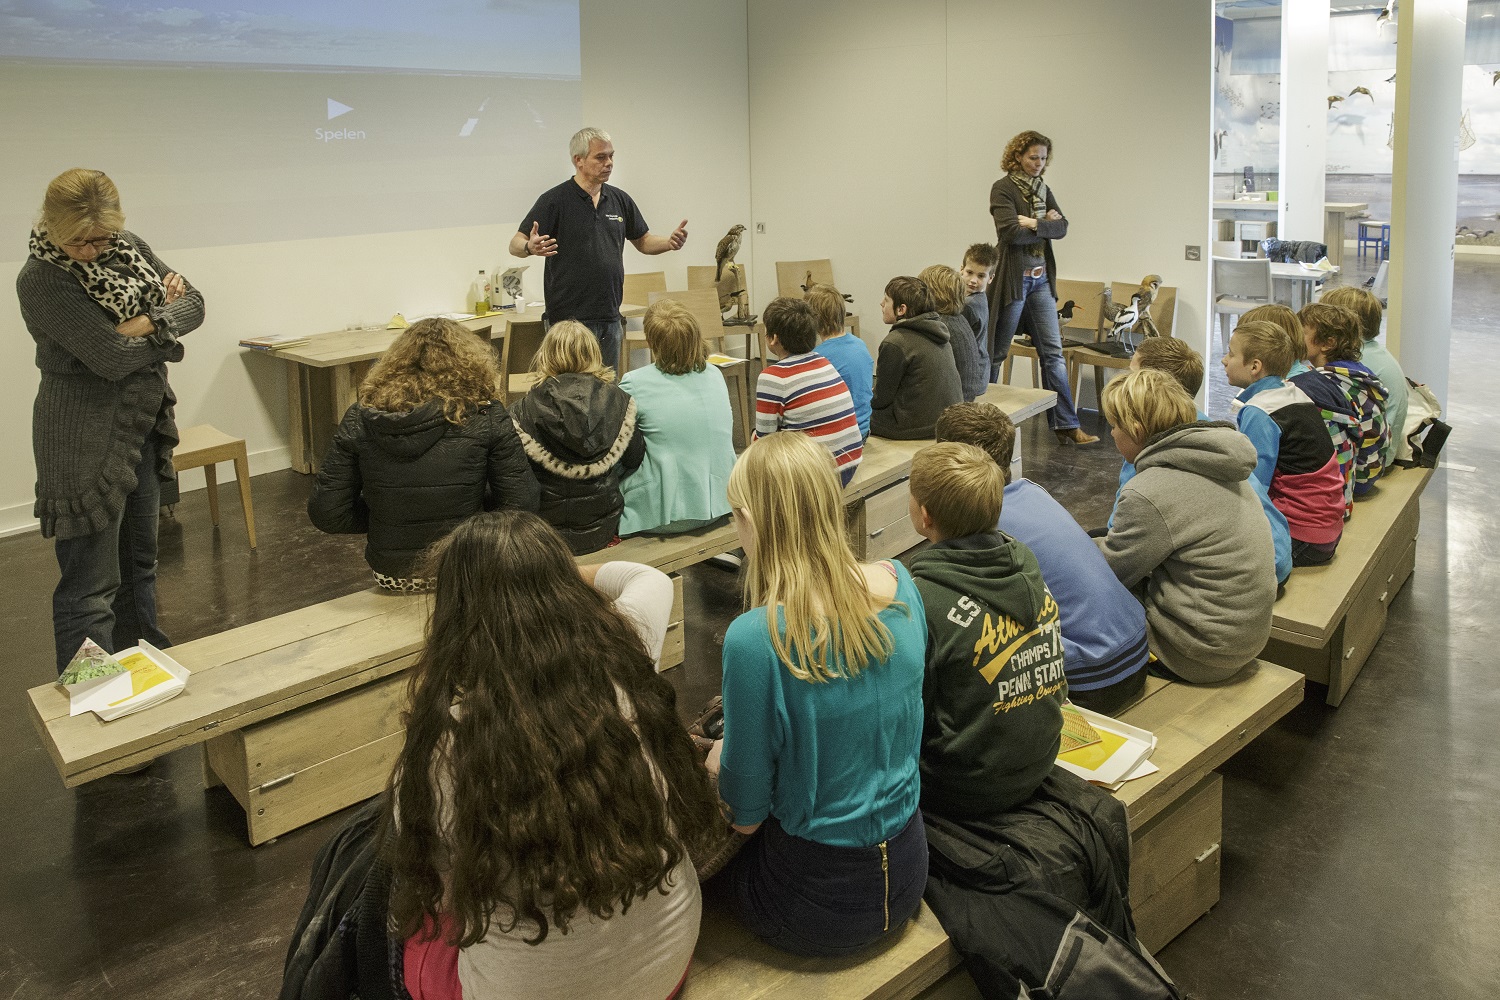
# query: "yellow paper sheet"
144,675
1094,755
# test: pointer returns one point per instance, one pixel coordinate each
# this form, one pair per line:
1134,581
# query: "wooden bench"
1176,831
1329,618
299,714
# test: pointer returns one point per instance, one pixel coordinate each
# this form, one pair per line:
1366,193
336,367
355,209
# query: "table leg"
1333,235
297,399
343,391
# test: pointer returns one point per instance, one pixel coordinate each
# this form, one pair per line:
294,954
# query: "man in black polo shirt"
581,227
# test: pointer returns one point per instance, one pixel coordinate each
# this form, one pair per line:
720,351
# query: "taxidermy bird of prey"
727,248
1363,90
1065,312
1332,100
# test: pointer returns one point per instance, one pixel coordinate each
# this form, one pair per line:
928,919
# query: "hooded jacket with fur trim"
579,433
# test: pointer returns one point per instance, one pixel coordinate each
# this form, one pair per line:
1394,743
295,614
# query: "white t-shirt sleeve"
644,596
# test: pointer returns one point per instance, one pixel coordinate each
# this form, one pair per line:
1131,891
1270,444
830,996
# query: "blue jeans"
816,899
608,334
108,588
1041,321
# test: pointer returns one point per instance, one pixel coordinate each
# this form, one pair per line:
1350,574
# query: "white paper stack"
150,677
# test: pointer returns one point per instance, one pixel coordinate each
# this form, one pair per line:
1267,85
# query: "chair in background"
637,292
1239,286
791,275
1373,234
1081,325
1163,316
703,304
204,446
522,340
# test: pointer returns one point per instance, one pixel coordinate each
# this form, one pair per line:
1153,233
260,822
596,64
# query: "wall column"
1424,186
1304,118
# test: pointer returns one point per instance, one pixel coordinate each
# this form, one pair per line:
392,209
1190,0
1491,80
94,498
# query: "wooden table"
324,373
1335,218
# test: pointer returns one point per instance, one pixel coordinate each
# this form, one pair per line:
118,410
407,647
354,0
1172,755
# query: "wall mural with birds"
1361,98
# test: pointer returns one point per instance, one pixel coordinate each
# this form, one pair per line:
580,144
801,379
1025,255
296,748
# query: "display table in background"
1335,218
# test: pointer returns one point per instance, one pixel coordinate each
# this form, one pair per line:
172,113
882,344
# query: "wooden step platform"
1328,618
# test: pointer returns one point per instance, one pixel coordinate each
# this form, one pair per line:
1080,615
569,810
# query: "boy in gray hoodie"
1189,534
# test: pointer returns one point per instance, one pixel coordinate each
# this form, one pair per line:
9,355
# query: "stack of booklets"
274,342
115,685
1102,750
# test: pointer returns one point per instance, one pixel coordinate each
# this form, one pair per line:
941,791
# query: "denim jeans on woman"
817,899
108,588
1040,309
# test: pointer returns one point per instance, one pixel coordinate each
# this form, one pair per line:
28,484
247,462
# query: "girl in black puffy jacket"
423,448
578,429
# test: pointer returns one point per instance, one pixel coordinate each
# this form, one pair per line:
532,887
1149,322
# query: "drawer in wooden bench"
881,527
1174,865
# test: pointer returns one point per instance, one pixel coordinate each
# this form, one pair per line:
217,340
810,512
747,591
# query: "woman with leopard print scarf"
106,314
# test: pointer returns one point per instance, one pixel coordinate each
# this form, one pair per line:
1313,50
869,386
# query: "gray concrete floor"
1359,843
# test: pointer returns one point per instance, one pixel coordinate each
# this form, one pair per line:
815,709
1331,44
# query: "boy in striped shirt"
801,390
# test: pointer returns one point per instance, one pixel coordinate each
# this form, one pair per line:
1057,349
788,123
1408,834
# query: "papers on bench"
1119,754
129,681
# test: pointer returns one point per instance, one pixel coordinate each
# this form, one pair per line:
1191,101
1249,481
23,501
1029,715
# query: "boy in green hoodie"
993,694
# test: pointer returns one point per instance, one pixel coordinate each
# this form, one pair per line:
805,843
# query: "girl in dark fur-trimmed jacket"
579,431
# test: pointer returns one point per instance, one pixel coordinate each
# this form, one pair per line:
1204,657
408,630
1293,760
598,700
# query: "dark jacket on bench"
1036,897
579,432
407,479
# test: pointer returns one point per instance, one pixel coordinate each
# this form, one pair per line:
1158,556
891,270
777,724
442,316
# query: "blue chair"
1373,234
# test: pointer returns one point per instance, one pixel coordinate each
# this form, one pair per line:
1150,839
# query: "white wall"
876,131
667,79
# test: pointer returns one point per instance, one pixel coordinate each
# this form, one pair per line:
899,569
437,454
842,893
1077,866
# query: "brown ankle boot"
1075,435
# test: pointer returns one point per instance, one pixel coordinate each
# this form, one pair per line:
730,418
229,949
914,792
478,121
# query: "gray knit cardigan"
101,394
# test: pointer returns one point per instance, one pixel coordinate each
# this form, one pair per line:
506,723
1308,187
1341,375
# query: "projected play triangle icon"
335,109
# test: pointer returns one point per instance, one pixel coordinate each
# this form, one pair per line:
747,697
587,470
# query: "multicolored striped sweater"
1295,458
1352,401
804,393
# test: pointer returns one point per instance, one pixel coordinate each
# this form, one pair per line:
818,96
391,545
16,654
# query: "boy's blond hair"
1362,303
959,486
1284,317
1266,342
569,346
983,425
1176,358
676,343
947,289
1336,330
1146,402
828,309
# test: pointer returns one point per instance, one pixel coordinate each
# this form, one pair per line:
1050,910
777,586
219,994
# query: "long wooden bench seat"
1176,831
1329,618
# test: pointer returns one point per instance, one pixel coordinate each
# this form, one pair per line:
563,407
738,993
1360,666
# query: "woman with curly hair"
822,715
1027,220
547,798
424,447
579,430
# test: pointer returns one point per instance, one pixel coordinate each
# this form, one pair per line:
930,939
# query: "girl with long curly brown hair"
547,797
424,447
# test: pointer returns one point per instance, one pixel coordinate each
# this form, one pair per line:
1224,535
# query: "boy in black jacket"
995,687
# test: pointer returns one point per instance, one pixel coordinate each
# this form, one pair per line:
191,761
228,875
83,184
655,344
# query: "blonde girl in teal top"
682,409
822,715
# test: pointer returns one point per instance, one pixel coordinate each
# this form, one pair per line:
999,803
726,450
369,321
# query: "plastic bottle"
479,295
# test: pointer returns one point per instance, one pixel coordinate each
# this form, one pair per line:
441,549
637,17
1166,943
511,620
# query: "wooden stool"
204,447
